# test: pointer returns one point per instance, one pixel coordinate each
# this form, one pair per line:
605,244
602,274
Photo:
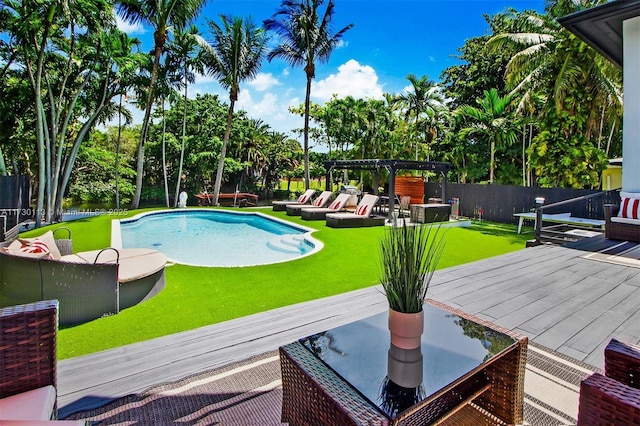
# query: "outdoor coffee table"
465,368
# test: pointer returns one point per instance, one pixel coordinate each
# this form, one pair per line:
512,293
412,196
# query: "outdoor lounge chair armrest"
610,210
28,346
106,249
604,401
622,363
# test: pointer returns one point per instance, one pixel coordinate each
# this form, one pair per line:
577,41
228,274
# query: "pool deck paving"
556,296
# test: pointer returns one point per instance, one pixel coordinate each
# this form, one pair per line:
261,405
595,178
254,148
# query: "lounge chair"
303,199
320,201
320,213
360,218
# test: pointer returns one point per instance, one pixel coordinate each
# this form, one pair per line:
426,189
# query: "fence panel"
498,203
15,196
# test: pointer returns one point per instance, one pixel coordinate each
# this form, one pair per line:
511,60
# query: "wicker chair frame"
613,399
616,230
28,339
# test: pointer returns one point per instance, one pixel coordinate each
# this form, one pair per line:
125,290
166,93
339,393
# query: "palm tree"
234,55
490,122
424,102
162,15
306,38
184,49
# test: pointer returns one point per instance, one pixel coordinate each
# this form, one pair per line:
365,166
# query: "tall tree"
491,122
423,102
582,92
234,55
162,15
306,37
185,49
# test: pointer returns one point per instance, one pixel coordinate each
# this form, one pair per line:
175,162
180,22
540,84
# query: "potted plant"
409,256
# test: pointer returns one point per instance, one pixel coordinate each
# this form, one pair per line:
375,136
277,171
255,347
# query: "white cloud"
263,82
130,29
359,81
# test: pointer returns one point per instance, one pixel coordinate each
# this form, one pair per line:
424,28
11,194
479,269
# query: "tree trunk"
117,174
135,202
184,132
223,152
164,156
307,101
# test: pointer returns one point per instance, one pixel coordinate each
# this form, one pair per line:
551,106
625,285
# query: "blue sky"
389,40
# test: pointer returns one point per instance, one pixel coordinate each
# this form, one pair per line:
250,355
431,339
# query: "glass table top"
394,379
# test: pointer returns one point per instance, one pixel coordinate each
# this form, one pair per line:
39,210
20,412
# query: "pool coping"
116,233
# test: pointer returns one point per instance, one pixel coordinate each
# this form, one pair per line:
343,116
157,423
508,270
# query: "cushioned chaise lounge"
360,218
320,213
320,201
303,199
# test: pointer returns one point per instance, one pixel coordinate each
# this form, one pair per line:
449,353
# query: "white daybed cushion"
36,404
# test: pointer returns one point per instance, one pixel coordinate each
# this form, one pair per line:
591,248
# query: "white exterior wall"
631,126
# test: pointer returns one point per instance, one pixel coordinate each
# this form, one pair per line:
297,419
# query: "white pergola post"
631,126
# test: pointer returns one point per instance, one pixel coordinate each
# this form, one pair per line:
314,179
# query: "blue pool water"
217,238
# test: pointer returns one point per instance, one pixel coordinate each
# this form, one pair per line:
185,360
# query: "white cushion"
36,404
625,220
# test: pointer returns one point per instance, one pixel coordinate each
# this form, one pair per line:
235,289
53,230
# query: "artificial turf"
199,296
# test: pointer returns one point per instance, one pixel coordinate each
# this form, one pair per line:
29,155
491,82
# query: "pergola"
391,166
613,29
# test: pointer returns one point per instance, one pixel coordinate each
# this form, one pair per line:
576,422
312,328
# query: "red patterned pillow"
335,205
361,210
302,199
629,208
318,202
34,247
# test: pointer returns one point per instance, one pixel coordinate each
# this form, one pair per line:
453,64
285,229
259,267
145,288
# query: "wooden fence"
498,203
15,196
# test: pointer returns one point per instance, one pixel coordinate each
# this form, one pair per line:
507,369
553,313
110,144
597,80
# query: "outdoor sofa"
28,364
613,398
88,285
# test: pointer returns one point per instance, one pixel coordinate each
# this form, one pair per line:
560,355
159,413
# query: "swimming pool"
203,237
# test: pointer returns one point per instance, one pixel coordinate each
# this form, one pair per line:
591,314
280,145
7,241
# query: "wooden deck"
551,294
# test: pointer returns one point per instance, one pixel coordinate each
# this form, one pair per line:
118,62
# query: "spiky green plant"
409,257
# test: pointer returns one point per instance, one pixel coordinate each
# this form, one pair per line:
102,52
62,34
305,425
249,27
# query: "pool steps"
288,243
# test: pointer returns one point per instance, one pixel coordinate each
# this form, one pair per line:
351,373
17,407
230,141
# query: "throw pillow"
317,202
361,210
302,199
629,208
335,205
48,239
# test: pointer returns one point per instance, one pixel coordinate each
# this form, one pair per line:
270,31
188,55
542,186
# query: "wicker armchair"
618,230
613,399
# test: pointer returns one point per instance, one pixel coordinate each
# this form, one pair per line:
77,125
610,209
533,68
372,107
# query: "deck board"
551,294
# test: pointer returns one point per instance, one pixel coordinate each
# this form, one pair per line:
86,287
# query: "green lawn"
196,296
